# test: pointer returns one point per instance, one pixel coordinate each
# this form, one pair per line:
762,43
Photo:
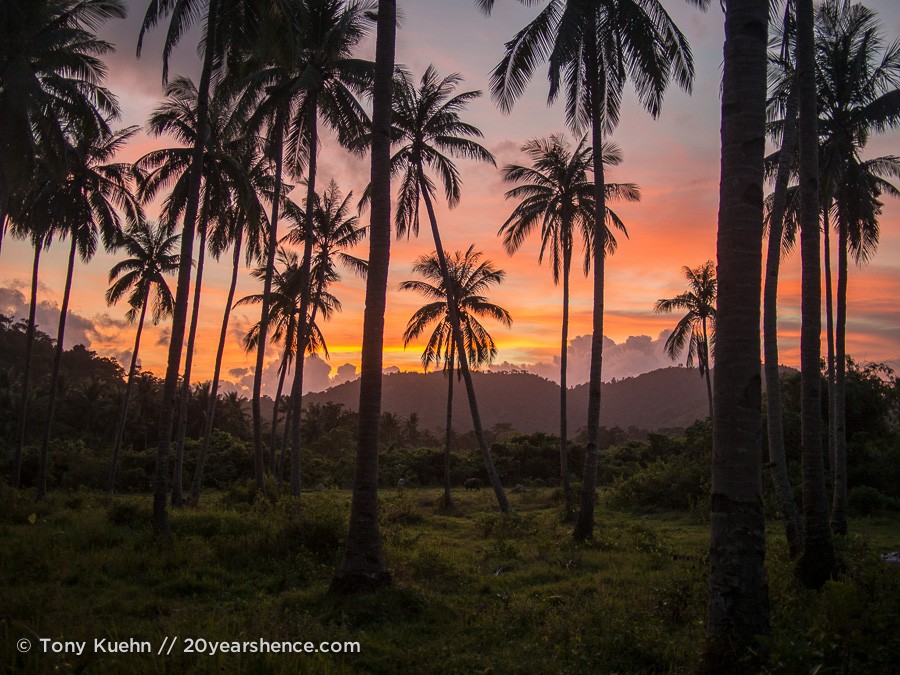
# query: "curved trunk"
258,458
738,603
829,330
182,291
177,480
54,376
303,328
448,497
362,567
563,387
197,483
123,411
839,499
453,315
26,373
793,525
584,523
817,562
285,364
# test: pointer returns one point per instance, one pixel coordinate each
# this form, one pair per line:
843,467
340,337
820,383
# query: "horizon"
674,160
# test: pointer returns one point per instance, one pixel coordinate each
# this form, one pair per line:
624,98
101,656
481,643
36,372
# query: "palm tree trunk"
451,368
707,372
829,329
177,477
303,326
2,222
563,387
182,291
197,483
839,498
362,567
453,315
123,411
259,462
54,376
738,603
285,364
26,373
584,523
817,562
793,524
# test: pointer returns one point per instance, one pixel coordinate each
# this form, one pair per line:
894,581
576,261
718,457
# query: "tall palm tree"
593,46
738,595
310,77
557,195
696,328
467,280
218,27
151,259
84,206
817,562
784,101
427,124
858,78
334,229
52,76
362,565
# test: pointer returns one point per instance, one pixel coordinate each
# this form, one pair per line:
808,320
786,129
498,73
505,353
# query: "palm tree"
738,604
223,173
468,278
858,79
362,565
151,259
426,121
52,76
81,206
592,48
245,217
310,75
784,101
215,31
557,195
334,229
696,328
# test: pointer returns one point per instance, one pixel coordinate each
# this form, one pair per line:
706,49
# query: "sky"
674,160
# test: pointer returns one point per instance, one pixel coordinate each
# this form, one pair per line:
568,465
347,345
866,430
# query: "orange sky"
674,160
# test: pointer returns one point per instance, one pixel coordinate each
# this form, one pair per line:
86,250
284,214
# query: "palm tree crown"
696,328
470,277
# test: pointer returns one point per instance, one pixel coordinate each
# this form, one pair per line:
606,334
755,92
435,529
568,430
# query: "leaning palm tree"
83,205
151,259
593,47
858,78
362,565
427,124
557,195
696,329
468,279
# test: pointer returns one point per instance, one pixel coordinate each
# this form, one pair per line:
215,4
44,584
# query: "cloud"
638,354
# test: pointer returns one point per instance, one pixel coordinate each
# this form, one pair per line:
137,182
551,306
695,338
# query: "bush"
866,501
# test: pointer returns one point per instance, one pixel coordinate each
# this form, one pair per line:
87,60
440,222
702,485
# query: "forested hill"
665,398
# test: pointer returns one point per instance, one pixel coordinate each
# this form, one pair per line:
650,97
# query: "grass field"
474,590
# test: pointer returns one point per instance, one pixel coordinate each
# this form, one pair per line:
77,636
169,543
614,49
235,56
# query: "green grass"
474,591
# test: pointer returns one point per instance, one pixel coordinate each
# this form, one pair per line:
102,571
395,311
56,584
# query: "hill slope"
669,397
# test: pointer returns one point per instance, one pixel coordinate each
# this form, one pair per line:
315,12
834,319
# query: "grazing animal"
401,484
519,488
472,484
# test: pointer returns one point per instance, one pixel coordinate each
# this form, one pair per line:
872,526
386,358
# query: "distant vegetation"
641,470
